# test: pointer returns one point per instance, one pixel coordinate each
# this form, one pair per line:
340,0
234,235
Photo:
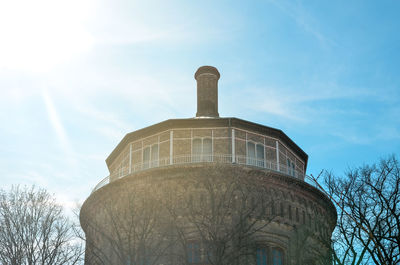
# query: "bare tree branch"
33,230
367,200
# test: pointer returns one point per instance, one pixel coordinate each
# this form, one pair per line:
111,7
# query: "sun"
38,35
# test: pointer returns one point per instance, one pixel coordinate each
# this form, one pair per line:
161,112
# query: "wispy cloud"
367,136
294,104
296,11
55,120
59,129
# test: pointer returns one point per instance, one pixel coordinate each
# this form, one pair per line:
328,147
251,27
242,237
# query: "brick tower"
207,190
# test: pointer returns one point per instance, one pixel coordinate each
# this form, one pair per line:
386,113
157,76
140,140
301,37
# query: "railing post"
247,153
130,158
171,146
265,157
277,155
233,146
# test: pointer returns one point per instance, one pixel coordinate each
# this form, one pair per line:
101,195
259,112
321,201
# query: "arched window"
266,255
146,157
202,150
291,168
207,149
282,212
193,252
277,256
198,252
273,208
294,171
154,155
150,156
255,154
262,256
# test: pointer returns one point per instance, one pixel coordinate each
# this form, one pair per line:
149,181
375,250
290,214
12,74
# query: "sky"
77,75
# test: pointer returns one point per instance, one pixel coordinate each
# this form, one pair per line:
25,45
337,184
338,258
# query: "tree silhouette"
33,230
367,199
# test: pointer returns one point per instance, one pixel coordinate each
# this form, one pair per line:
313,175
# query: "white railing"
312,182
190,159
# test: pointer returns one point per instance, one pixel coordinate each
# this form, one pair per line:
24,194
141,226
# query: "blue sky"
76,76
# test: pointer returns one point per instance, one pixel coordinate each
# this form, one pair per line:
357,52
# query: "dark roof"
202,123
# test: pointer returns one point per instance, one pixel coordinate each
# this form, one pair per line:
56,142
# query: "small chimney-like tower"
207,91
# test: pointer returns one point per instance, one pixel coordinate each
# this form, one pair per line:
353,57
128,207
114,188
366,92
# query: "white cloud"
316,103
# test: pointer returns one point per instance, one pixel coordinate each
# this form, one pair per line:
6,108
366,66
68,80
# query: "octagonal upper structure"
224,140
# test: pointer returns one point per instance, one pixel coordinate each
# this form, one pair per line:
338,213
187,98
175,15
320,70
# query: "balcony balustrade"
191,159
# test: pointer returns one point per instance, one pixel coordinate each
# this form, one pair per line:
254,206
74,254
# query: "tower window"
193,252
291,168
267,255
150,156
277,257
154,155
202,150
198,252
255,154
261,256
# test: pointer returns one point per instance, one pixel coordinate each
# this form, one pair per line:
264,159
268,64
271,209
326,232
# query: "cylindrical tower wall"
280,212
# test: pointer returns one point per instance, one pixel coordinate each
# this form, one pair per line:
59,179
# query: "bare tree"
33,229
368,200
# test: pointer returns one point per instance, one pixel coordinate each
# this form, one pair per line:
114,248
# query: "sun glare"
37,35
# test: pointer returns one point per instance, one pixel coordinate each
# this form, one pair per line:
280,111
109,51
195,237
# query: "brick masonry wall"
303,216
